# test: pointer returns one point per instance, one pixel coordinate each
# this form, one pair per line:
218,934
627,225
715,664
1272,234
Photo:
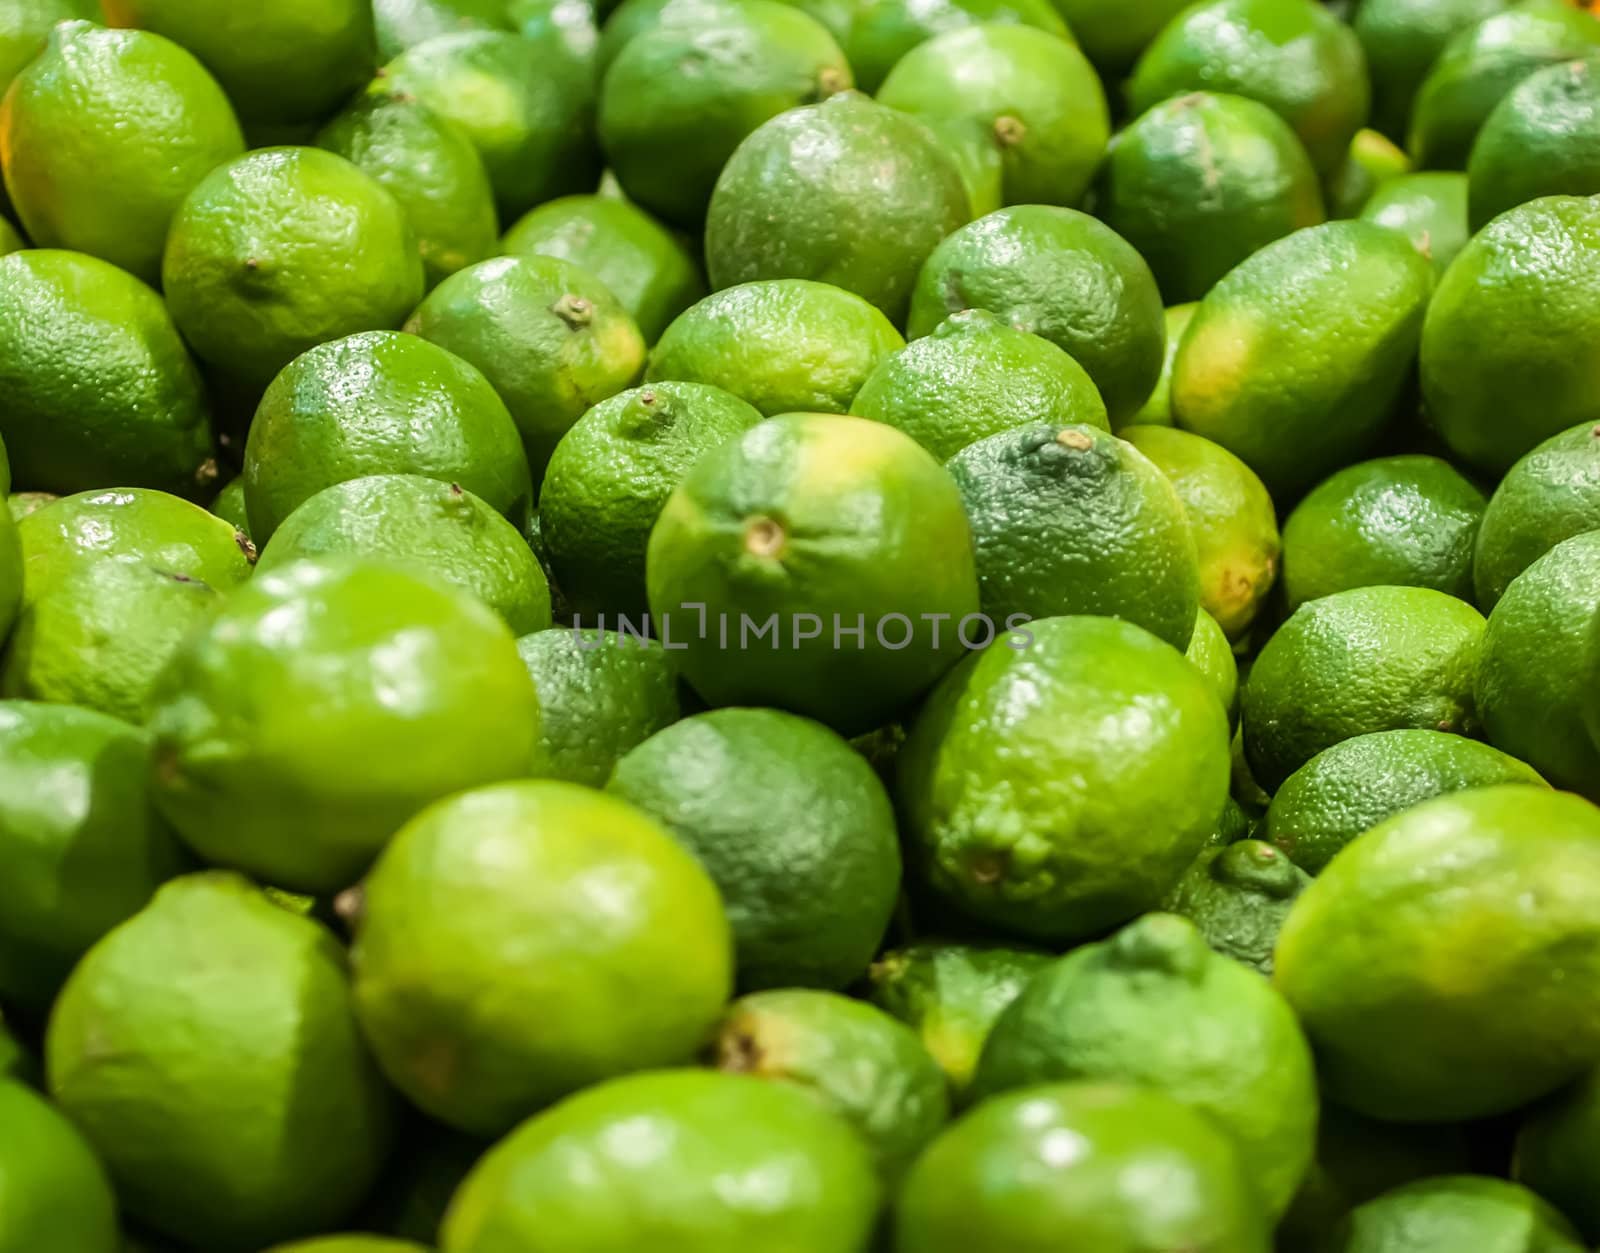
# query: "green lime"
10,574
1555,1152
1060,274
1115,32
776,592
20,504
882,33
349,1244
846,192
1539,141
11,240
653,1162
1481,63
99,387
25,25
1231,518
610,476
975,376
634,17
380,403
282,250
1363,660
859,1062
680,97
1032,802
1550,495
1212,654
783,345
429,166
1356,784
647,267
1237,896
1295,56
427,1167
403,24
1297,359
519,942
325,704
1098,1166
1201,182
1073,520
1157,411
793,825
229,506
1032,89
1373,162
1455,1212
428,525
56,1198
601,694
1402,39
1429,209
1430,988
1535,645
550,337
102,107
1409,521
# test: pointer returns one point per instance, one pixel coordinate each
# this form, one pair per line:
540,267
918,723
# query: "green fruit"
951,995
792,824
403,24
646,1163
1072,520
1060,274
10,574
1114,32
1535,645
882,33
1363,660
208,1050
291,62
1409,521
25,26
1431,991
1212,655
784,345
1429,209
601,694
380,403
527,105
83,842
1032,802
326,704
121,108
680,97
1550,495
1094,1166
645,265
98,385
1296,360
1482,63
1157,411
429,166
229,506
846,192
1231,519
610,476
1402,39
11,239
1504,353
550,337
1350,788
1237,897
763,542
54,1197
1555,1152
349,1244
412,1195
975,376
1106,1013
523,941
282,250
858,1061
1455,1212
430,526
1201,182
20,504
634,17
1033,90
1373,161
1294,56
1539,141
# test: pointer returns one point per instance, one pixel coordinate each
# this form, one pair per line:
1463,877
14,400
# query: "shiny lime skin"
1539,141
208,1050
25,25
1099,1166
99,386
380,403
1114,32
1201,182
794,826
1442,1215
1402,39
1030,803
100,108
1237,895
522,941
1157,411
1429,209
324,705
847,192
882,33
1440,963
84,843
1550,495
54,1196
1060,274
1210,652
228,504
663,1162
1350,788
1373,161
403,24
